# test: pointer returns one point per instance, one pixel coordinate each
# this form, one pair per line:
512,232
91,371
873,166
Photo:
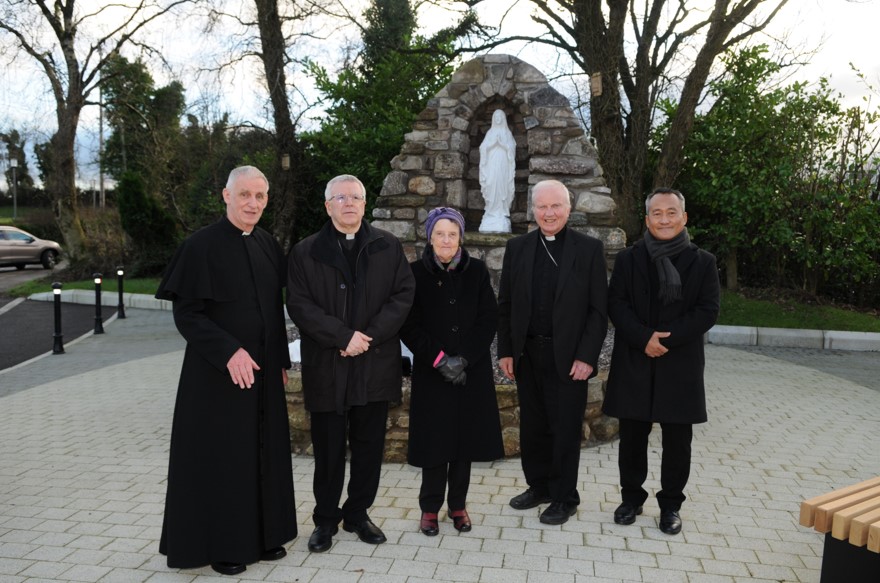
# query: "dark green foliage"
145,122
41,222
24,184
107,246
778,179
151,229
390,24
201,167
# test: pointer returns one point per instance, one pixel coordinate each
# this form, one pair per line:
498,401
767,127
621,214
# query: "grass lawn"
21,213
134,285
785,312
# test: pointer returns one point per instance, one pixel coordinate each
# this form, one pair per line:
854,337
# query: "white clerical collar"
549,237
349,236
246,233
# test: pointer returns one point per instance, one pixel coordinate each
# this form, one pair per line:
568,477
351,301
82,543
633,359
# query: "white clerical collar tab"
550,238
349,236
245,234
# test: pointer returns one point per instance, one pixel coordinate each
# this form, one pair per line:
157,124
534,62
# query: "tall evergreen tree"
373,101
145,124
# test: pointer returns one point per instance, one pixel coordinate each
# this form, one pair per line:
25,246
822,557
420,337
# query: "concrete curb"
723,335
108,298
793,338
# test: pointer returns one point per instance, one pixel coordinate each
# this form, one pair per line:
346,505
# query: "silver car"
20,248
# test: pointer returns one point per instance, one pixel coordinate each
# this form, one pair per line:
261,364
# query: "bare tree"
274,57
635,53
71,45
276,34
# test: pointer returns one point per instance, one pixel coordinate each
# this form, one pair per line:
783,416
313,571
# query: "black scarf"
667,274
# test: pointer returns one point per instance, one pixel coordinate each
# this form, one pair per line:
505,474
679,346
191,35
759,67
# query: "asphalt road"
11,277
27,328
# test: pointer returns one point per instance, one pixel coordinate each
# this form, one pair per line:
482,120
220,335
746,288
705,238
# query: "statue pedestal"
491,224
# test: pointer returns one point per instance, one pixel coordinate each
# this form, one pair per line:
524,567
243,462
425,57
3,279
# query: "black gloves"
452,369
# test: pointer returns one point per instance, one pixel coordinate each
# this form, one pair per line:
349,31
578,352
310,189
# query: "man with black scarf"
663,297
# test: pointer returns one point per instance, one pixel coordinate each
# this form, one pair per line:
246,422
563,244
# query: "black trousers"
675,465
365,426
456,474
551,423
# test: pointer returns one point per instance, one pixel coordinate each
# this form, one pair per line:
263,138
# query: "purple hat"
443,212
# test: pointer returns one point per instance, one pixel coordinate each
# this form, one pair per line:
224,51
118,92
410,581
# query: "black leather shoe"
428,524
322,538
273,554
460,520
558,513
529,499
626,513
225,568
366,531
670,521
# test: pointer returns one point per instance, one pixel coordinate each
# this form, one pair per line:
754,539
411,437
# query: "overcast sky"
841,31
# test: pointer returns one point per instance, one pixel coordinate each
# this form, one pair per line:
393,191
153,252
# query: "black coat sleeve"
414,331
596,328
386,323
702,311
477,342
505,343
621,309
209,340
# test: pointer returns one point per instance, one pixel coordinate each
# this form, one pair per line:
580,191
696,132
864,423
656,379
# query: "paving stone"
83,499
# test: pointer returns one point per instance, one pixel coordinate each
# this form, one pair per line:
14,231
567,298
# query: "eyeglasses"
344,198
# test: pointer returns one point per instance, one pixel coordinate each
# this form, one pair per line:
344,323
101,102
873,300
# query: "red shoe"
428,525
460,520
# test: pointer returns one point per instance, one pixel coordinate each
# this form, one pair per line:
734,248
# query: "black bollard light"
120,310
99,326
58,345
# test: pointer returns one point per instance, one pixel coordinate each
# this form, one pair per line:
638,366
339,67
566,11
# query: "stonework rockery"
439,161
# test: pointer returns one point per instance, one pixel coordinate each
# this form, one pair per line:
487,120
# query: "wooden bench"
850,520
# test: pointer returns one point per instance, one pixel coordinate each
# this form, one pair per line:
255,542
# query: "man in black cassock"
552,307
230,497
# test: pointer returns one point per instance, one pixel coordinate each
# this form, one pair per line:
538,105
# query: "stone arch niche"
439,161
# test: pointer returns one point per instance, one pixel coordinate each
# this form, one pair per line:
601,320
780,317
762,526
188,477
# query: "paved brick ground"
84,445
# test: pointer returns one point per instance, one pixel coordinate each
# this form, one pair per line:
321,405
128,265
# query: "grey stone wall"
597,428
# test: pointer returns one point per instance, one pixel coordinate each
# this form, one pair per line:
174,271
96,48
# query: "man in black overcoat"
552,307
350,290
230,497
663,297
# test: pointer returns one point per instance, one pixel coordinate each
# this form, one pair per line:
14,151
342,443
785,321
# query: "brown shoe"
428,525
460,520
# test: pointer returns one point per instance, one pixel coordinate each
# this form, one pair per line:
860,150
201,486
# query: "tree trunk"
600,47
672,151
274,57
61,183
732,277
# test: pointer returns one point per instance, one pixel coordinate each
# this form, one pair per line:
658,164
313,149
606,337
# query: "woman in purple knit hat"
453,410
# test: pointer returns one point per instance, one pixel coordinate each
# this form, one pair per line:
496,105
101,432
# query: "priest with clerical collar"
230,499
552,302
350,290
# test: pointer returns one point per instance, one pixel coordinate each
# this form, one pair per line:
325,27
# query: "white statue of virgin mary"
497,165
